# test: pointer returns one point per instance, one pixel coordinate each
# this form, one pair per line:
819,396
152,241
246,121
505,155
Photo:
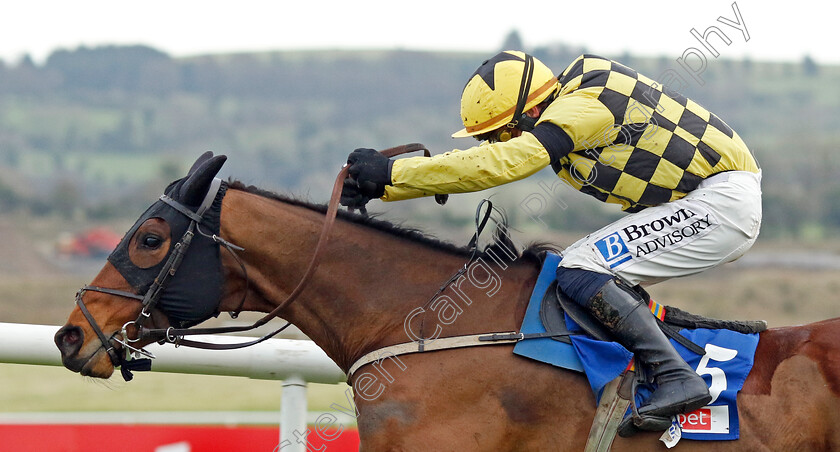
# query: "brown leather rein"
176,335
332,210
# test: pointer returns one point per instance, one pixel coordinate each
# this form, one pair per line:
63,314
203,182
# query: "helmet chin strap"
520,119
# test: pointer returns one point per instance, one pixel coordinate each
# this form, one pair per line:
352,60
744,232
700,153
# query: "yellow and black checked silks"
636,144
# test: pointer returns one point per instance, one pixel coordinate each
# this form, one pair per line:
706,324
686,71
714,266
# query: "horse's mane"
500,242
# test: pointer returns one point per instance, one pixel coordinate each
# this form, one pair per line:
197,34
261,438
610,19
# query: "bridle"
149,300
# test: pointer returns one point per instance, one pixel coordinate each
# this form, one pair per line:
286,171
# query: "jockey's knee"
579,284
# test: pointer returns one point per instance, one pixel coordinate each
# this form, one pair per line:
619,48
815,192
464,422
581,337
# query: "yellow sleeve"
468,170
400,193
583,117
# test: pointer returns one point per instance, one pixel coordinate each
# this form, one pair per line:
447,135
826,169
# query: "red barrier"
148,438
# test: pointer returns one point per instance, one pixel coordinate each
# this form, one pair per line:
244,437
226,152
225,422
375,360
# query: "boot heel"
632,425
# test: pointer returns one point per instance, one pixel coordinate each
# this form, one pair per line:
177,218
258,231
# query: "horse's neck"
368,282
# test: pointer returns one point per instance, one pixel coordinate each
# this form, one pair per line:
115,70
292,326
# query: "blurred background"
103,103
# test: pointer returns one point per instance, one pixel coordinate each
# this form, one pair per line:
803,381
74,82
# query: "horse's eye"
151,242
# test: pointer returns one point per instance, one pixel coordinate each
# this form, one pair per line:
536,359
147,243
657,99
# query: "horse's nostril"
69,339
72,337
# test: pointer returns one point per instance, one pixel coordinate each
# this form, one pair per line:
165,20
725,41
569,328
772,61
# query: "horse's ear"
194,189
201,159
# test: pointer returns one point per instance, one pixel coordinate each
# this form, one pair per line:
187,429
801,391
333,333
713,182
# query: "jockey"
689,183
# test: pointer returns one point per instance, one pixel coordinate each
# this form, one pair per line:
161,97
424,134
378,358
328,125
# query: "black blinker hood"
193,294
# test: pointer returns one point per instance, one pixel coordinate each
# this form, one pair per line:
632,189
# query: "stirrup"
634,424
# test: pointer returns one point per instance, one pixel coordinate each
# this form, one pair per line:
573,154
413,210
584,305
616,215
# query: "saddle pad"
545,349
728,360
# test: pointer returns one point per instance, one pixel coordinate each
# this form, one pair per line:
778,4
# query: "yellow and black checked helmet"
503,87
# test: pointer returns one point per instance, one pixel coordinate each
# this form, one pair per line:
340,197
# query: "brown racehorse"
372,289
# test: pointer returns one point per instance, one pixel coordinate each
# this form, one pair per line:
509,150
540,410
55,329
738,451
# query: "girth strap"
443,343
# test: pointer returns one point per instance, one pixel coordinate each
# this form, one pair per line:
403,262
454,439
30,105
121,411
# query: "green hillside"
96,132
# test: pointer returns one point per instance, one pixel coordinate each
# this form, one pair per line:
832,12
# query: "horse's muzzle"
69,340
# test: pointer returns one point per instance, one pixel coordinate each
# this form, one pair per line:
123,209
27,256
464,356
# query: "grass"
33,300
114,167
782,297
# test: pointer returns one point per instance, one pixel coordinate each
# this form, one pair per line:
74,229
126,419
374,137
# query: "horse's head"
165,272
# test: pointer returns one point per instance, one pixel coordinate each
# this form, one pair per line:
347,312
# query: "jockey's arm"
461,171
565,123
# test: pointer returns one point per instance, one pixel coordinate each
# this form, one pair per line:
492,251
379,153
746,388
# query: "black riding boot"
678,388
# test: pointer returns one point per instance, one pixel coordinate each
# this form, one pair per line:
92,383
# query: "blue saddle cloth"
728,360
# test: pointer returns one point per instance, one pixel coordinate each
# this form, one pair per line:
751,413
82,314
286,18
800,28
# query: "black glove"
371,171
351,196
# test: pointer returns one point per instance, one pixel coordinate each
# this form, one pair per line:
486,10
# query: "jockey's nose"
69,340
